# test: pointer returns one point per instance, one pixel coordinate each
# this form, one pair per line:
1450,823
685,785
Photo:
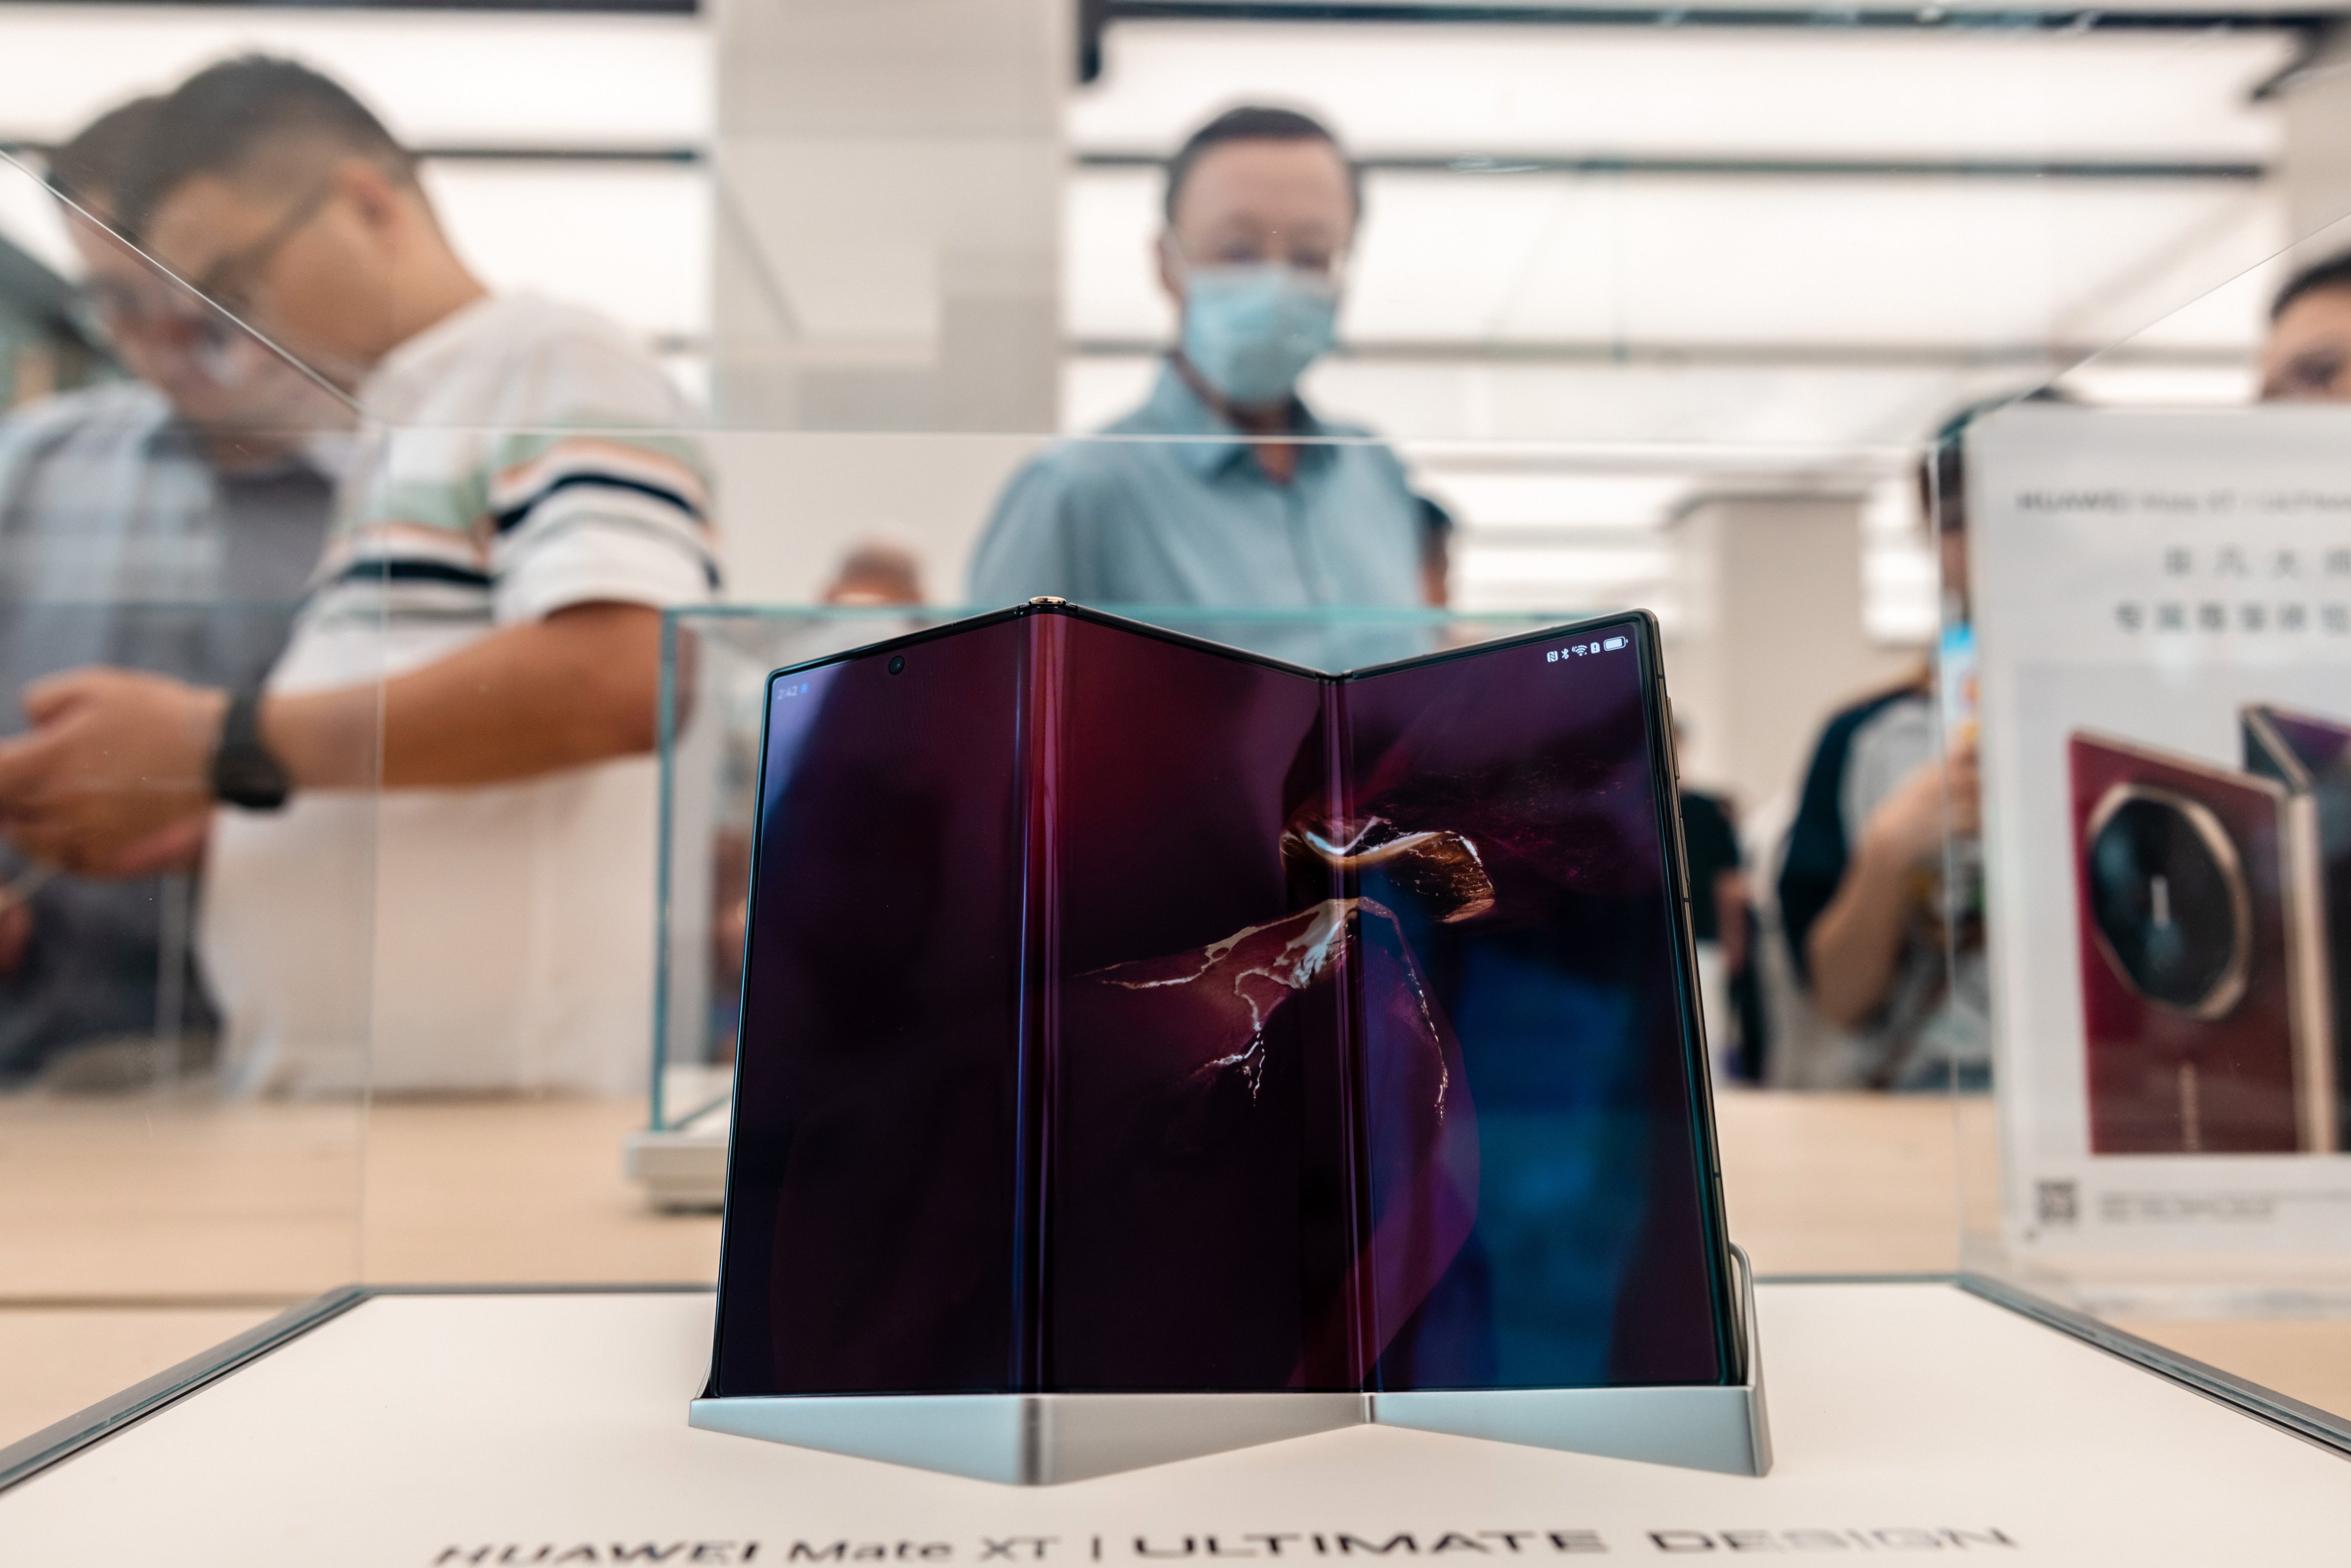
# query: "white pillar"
890,180
888,262
1772,640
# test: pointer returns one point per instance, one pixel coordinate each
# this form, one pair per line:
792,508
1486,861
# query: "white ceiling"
630,239
1664,261
1652,332
1641,335
1578,91
543,78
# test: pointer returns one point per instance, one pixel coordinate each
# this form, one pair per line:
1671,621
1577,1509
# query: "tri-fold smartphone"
1126,1012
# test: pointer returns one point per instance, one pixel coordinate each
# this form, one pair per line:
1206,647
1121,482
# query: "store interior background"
1661,308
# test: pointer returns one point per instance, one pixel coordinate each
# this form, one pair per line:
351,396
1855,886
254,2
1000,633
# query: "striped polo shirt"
520,456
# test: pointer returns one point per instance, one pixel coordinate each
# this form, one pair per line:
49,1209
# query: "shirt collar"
1175,409
410,358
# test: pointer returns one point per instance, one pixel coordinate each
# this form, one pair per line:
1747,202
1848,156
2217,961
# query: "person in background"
1719,921
1259,506
165,523
1436,530
876,574
1864,899
482,641
2307,357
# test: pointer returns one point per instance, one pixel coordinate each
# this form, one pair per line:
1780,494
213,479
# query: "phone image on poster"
2311,755
2201,957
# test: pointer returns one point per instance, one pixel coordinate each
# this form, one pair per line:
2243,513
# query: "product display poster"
2162,611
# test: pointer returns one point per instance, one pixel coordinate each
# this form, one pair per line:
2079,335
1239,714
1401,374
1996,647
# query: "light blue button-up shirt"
1168,507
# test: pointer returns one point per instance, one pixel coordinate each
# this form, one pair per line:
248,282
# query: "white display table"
1909,1417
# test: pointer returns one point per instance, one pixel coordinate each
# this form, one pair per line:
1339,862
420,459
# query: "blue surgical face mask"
1252,331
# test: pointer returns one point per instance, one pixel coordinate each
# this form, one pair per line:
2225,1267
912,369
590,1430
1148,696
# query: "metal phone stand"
1040,1439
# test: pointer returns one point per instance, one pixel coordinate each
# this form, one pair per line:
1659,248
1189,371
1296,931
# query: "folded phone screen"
1127,1013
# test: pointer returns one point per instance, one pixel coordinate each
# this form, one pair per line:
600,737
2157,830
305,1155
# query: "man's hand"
1857,942
117,759
1907,829
115,780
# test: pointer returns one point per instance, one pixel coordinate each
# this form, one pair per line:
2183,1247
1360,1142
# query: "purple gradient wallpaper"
1126,1013
1587,1260
874,1179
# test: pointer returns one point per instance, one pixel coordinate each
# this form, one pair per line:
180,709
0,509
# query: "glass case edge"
26,1457
2321,1427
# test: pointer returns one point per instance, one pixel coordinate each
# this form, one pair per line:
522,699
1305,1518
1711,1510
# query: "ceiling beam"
1766,356
525,8
1886,168
1095,18
1819,18
480,153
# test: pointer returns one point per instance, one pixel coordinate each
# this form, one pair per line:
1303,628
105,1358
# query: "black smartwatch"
243,771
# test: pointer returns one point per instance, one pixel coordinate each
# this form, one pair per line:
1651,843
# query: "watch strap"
245,773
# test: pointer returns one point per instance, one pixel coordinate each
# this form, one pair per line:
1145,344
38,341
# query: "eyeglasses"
107,307
229,282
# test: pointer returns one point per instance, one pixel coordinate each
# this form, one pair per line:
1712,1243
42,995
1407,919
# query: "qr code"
2057,1202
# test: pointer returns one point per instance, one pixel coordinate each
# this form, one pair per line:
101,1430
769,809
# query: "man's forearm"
1853,946
577,688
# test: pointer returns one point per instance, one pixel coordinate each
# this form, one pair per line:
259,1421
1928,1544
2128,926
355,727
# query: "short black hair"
1255,123
2335,272
232,119
1942,467
86,168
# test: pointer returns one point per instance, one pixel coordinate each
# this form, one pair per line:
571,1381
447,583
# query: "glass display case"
715,663
2154,926
1693,364
179,1151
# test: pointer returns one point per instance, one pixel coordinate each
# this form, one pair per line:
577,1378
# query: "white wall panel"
632,241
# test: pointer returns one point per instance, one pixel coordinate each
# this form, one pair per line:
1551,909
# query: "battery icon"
1614,643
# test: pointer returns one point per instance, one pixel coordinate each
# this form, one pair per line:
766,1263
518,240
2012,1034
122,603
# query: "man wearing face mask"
1255,502
166,523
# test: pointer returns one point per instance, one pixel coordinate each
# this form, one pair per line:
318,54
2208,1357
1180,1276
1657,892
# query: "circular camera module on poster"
2168,901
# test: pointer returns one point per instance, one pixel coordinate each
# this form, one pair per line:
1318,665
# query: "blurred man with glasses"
1224,488
165,523
481,641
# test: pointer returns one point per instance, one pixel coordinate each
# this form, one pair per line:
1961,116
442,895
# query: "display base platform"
439,1428
1036,1439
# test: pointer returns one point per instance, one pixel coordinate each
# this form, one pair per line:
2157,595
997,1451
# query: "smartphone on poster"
2202,951
2311,755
